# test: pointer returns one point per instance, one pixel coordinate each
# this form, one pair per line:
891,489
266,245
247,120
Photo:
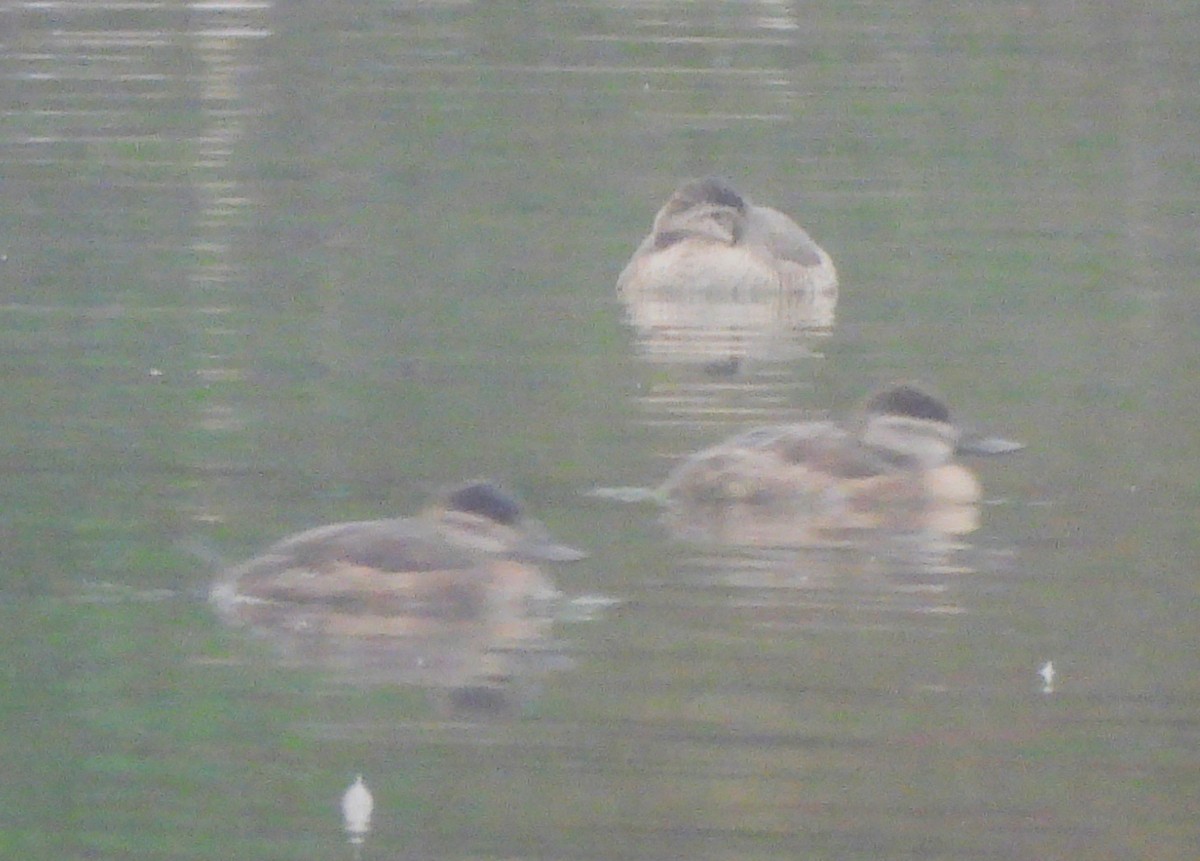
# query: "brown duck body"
895,467
468,560
391,575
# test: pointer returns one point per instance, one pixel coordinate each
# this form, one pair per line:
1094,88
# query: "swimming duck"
466,560
710,239
894,467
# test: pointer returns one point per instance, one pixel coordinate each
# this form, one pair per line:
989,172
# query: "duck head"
911,427
480,516
701,208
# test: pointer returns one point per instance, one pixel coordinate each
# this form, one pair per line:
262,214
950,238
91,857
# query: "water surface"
264,266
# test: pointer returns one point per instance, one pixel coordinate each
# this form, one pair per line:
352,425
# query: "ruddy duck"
709,239
893,468
466,560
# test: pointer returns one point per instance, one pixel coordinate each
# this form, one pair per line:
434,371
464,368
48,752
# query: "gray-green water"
270,265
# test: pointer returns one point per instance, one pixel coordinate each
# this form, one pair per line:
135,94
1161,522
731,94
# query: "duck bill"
538,546
547,551
984,445
553,553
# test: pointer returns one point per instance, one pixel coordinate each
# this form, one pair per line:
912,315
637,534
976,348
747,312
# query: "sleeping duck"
708,239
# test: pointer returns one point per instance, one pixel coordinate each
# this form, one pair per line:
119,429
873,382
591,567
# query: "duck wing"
781,236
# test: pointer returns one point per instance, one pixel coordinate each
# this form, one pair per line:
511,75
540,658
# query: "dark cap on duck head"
712,189
486,500
907,399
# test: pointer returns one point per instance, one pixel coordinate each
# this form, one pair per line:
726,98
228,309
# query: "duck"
895,466
470,559
710,239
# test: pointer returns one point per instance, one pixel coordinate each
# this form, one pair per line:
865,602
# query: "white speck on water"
1047,673
357,805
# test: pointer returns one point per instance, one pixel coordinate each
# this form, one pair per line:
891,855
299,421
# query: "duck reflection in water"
450,599
714,263
892,469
